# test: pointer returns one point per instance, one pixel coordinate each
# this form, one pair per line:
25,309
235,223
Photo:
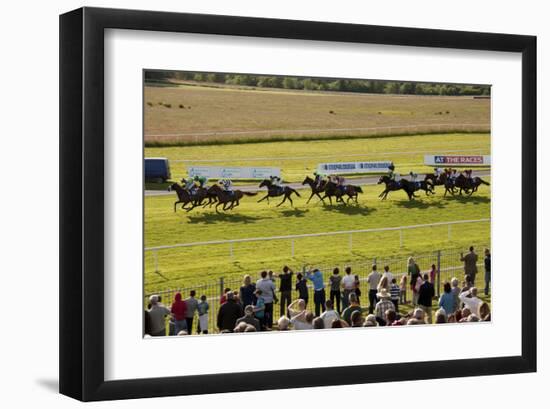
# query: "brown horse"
332,189
316,190
275,191
226,198
183,196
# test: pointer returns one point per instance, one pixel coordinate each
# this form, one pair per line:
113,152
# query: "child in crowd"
202,309
395,292
403,290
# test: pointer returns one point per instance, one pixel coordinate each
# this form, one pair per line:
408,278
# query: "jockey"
438,172
202,180
188,184
276,181
318,178
468,173
414,176
340,182
227,185
453,175
391,170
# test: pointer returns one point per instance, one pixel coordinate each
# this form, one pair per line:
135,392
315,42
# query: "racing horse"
391,186
408,186
464,185
275,191
184,196
316,190
332,189
226,198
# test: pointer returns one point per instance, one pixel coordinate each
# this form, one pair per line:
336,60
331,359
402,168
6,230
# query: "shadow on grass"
213,218
351,209
294,212
469,199
419,204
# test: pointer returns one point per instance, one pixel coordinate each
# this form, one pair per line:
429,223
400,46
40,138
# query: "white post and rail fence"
294,237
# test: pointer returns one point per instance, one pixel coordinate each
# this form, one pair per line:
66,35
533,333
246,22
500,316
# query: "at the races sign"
233,172
353,167
457,160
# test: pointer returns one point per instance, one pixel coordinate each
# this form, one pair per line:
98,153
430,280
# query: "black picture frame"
82,200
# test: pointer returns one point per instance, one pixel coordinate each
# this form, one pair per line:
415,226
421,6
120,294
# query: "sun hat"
383,293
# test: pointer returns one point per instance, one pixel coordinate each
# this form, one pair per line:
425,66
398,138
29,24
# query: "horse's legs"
291,202
320,197
263,198
175,204
284,200
312,194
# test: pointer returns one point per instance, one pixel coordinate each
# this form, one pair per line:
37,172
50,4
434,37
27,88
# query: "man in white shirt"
329,315
348,283
472,302
267,287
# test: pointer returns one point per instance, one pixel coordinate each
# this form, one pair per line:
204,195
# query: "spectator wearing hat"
285,288
348,285
267,287
178,311
470,264
191,303
229,313
373,279
319,297
425,296
383,305
249,318
157,317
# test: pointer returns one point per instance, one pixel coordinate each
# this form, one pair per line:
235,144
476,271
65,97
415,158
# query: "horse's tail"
295,191
358,189
483,182
250,193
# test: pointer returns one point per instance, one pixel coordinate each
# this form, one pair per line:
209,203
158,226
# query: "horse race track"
183,267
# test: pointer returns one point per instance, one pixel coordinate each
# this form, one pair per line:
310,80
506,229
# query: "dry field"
187,114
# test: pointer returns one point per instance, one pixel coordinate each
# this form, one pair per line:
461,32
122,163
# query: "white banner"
233,172
353,167
457,160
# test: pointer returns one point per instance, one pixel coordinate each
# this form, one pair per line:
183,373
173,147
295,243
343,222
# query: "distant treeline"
322,84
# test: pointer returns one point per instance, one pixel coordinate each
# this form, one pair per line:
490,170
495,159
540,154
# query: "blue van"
157,170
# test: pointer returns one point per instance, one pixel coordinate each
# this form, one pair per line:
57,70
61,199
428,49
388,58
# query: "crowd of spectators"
250,308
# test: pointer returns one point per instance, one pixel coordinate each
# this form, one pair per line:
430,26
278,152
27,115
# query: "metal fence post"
231,249
400,238
222,286
292,247
438,272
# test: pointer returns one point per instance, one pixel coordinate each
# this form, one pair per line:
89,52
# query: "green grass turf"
299,158
184,267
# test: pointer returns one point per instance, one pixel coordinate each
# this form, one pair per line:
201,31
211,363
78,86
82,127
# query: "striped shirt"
395,291
383,306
